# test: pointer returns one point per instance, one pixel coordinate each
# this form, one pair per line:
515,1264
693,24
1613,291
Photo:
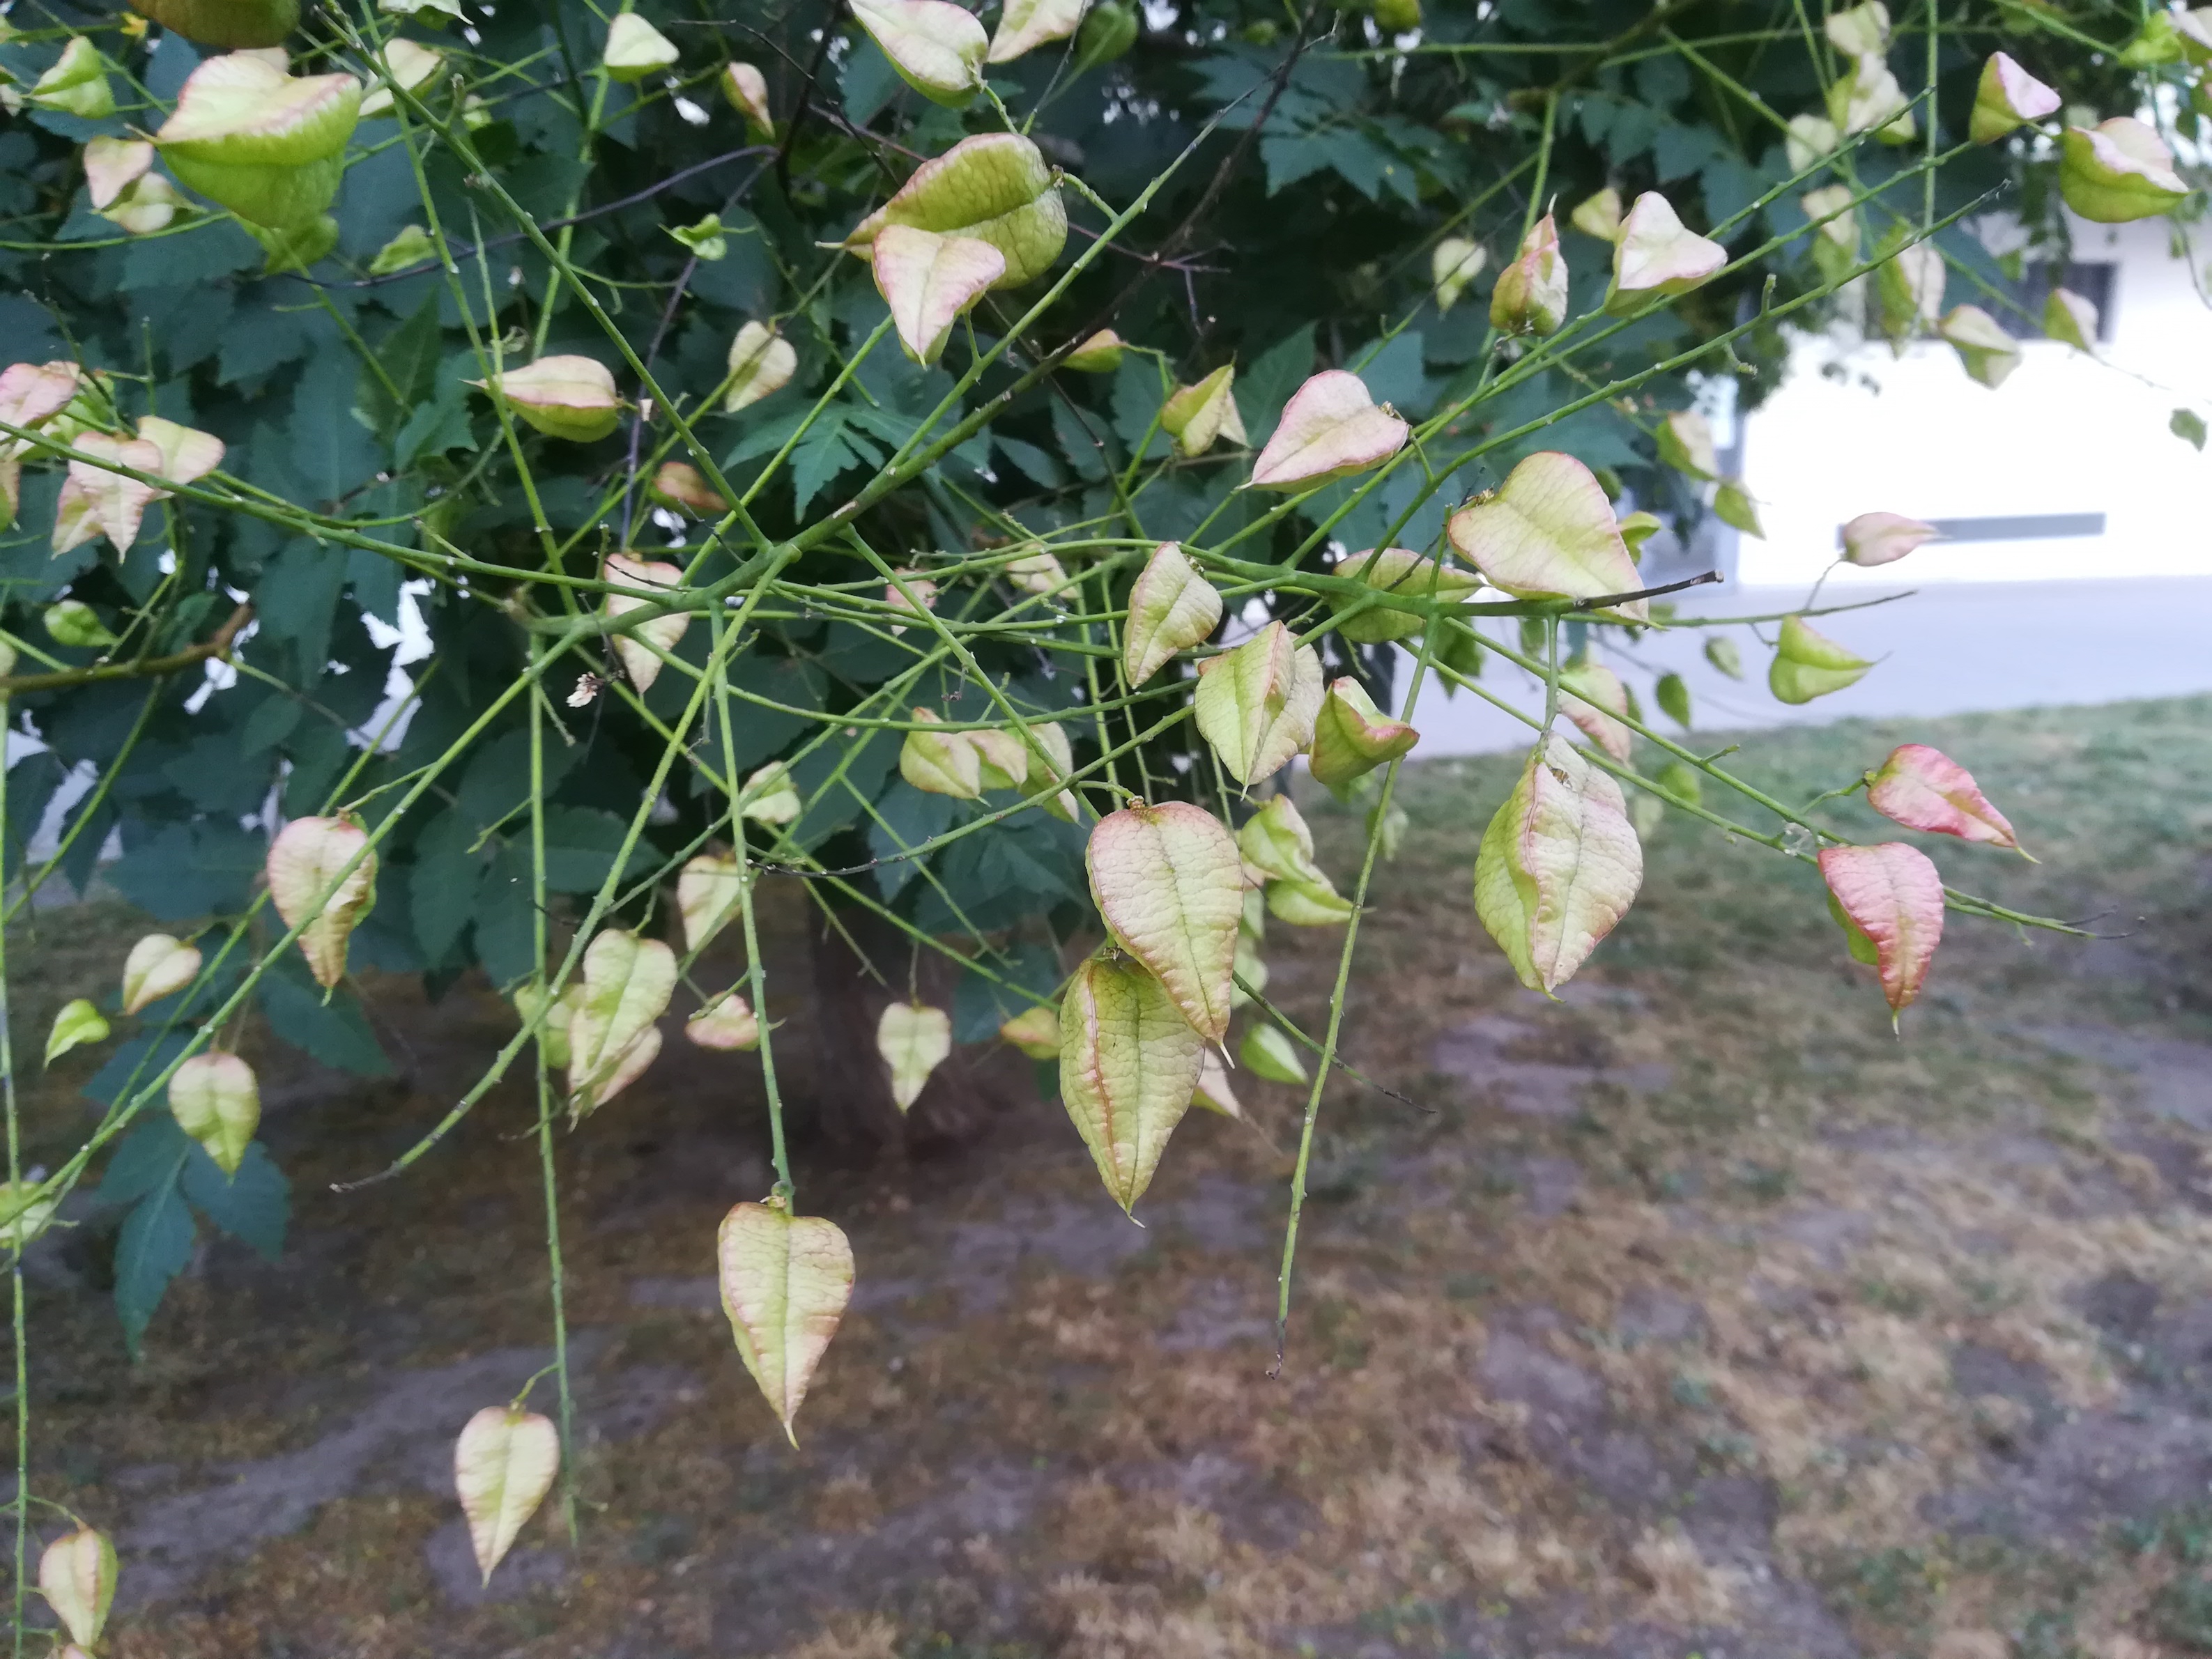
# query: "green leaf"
581,845
253,1206
156,1238
185,871
408,355
438,427
331,450
336,1032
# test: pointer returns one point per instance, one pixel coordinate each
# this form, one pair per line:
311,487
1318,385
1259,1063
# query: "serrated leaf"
785,1282
1892,894
1170,884
913,1040
313,889
1171,608
504,1463
1129,1063
1558,865
1548,532
1924,788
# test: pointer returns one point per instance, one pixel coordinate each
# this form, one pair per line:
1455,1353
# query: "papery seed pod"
304,865
1655,257
1878,538
1598,215
1859,29
996,188
1453,264
727,1023
1353,736
1034,1031
504,1463
1558,865
1893,895
1108,33
1548,532
1170,884
1989,353
769,796
267,145
636,649
2118,171
1025,25
95,501
1810,138
678,484
411,247
707,889
1214,1092
1734,506
2008,97
1721,652
930,282
913,1041
1685,443
785,1282
1129,1063
1867,98
563,397
1267,1053
73,623
408,66
157,965
23,1213
1197,416
76,84
612,1034
940,763
1098,354
113,166
1808,664
2068,317
1399,570
1331,429
760,362
1593,697
746,88
1924,788
78,1575
1531,294
78,1022
938,48
216,1101
636,49
1256,705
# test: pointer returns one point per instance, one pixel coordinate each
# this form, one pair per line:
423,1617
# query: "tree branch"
216,644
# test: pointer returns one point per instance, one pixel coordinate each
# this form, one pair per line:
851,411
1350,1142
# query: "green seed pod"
228,24
1107,34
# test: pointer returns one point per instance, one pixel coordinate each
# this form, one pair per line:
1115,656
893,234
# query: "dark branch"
1604,600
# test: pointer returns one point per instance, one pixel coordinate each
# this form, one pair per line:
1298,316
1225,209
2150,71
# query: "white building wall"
2065,434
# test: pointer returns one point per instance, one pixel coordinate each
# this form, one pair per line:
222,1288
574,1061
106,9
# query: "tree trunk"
853,1104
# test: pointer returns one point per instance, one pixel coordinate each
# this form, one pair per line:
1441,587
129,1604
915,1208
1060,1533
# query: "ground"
1695,1315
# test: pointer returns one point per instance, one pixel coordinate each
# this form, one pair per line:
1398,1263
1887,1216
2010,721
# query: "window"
2097,283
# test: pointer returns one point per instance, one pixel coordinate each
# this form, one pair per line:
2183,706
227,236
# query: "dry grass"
1696,1359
